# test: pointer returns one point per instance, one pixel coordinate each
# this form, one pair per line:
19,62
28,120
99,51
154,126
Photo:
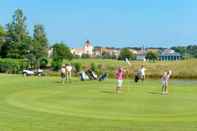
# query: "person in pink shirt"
119,78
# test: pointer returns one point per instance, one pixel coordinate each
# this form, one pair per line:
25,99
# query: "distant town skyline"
120,23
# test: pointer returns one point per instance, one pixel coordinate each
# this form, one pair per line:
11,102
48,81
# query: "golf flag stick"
127,61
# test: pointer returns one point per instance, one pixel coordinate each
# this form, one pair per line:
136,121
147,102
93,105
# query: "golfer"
68,72
142,72
119,78
63,74
164,80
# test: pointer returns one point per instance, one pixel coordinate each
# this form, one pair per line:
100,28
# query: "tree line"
189,51
186,52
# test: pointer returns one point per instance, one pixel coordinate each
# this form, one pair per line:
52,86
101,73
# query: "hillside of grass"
184,69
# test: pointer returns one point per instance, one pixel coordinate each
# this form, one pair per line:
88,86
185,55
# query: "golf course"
45,104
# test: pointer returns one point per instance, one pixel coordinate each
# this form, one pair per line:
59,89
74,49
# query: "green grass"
44,104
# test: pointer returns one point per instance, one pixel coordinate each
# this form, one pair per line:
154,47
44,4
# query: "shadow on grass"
58,82
108,92
66,82
155,93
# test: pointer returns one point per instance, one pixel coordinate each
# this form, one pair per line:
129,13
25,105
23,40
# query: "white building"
133,51
170,55
87,49
50,52
141,55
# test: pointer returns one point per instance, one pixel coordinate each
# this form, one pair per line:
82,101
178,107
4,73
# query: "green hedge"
12,66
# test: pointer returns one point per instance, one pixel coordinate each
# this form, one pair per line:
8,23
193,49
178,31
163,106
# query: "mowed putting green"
44,104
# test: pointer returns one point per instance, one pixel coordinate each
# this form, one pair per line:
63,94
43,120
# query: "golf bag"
103,77
83,76
91,75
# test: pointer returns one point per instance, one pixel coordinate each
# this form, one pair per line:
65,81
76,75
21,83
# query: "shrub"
93,67
152,56
85,56
43,63
12,65
77,67
126,53
100,68
56,64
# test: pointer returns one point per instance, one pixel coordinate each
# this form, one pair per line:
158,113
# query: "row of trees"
17,43
187,51
126,53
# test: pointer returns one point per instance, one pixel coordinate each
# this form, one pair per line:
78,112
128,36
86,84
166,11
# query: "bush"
152,55
85,56
12,65
56,64
126,53
43,63
77,67
93,67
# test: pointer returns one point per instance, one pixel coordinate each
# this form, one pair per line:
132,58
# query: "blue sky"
118,23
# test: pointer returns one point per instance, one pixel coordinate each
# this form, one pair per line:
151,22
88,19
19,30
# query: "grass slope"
181,69
44,104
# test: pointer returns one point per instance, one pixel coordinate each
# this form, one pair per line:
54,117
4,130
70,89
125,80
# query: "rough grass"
44,104
186,69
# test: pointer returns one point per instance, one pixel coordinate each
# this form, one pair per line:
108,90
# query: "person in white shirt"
68,72
142,72
63,74
164,80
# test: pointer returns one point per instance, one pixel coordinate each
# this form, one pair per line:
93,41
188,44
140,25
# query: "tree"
40,44
125,53
60,52
186,51
2,37
192,50
18,36
152,55
180,49
2,31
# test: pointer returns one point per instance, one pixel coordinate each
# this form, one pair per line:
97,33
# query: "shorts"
119,83
164,83
63,75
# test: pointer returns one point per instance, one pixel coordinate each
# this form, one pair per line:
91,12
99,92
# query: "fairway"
44,104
